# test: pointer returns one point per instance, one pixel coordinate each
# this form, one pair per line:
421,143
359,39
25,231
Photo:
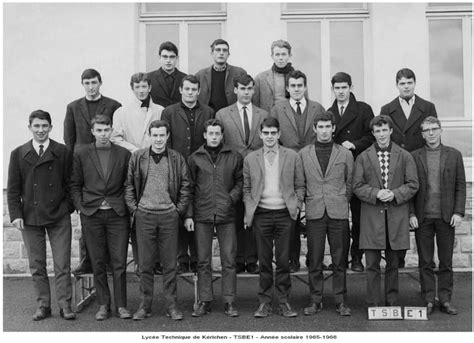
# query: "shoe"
252,268
240,268
264,310
83,268
313,308
103,313
174,313
401,263
324,266
448,308
194,267
67,313
343,309
158,270
294,266
429,308
204,307
230,310
42,313
330,267
182,268
285,310
356,264
123,313
141,314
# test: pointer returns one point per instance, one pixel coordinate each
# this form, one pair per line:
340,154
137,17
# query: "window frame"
166,16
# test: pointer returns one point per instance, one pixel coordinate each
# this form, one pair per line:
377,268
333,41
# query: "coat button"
50,185
35,185
348,131
36,203
403,145
50,168
51,201
381,211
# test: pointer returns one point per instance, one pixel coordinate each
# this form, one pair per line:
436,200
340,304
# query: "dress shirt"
339,106
36,146
249,114
406,107
294,106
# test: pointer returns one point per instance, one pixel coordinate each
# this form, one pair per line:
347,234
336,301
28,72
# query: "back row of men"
319,175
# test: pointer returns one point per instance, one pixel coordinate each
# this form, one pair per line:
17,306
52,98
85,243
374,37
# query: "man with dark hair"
328,173
385,179
97,190
77,131
217,88
165,81
157,194
186,120
436,210
216,172
352,119
39,203
273,194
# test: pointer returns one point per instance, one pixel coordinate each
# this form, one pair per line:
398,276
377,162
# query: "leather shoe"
194,267
83,268
123,313
285,310
174,313
343,309
356,265
103,313
67,313
182,268
325,267
252,268
230,310
141,314
294,266
313,308
264,310
448,308
240,268
204,307
429,308
41,313
158,270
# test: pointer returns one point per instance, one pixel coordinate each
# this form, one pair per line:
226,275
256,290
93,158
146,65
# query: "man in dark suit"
407,111
97,190
77,131
352,132
436,210
217,81
165,81
39,203
186,119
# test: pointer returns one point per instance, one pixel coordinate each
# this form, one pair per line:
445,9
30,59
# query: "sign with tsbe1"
415,313
385,312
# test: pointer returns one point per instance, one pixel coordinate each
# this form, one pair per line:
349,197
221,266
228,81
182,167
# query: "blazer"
204,76
234,131
159,91
77,123
38,189
90,187
289,136
331,192
292,183
353,126
452,183
407,133
402,181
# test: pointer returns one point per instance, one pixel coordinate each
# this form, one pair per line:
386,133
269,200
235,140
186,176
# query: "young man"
328,173
242,122
152,171
165,81
39,203
217,88
385,179
273,195
77,131
352,119
97,190
216,172
436,210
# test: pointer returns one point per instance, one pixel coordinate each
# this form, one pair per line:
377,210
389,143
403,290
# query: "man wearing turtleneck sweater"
436,210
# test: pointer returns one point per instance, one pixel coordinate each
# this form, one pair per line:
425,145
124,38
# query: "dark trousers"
355,229
337,231
186,242
157,230
270,226
226,236
246,244
107,241
425,236
59,234
133,243
295,243
84,257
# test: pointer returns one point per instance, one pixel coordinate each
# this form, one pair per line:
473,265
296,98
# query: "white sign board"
415,313
385,312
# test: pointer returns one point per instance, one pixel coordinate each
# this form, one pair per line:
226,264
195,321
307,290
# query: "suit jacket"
331,192
452,183
204,76
407,133
290,137
159,90
38,189
353,126
402,181
234,131
291,181
77,123
90,187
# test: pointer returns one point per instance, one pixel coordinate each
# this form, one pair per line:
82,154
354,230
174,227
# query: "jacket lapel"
84,111
149,115
100,107
95,161
281,162
254,128
207,79
424,161
310,114
182,114
290,114
443,159
315,161
112,161
161,82
269,80
332,158
417,110
393,162
397,114
234,114
348,116
29,154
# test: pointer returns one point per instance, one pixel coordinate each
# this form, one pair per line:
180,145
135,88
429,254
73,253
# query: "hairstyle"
90,74
270,122
430,120
219,41
156,124
192,79
324,116
296,74
139,77
341,77
213,122
380,120
101,119
244,80
39,114
281,44
406,73
168,46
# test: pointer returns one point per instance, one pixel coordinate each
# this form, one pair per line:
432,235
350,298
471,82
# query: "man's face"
220,53
141,90
168,60
270,136
92,87
382,135
159,137
406,87
280,56
102,133
213,136
244,93
296,88
189,92
342,91
324,131
40,128
431,133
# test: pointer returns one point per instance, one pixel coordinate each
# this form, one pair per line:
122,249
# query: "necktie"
246,125
41,150
384,160
271,157
298,108
342,110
